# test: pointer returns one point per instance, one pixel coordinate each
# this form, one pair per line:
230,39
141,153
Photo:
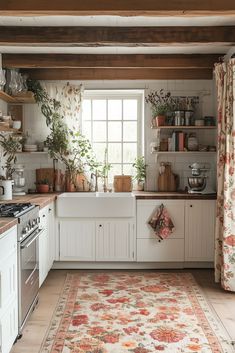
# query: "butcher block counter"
151,195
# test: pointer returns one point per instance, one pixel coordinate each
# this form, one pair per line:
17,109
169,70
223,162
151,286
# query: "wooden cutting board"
167,181
45,173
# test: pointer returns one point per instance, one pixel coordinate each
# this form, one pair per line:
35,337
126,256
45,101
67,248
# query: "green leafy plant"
161,102
64,144
10,146
140,168
43,182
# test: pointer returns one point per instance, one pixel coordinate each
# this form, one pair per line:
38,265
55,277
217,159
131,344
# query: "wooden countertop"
151,195
7,223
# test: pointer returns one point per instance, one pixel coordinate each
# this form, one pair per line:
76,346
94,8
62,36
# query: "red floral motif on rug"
134,313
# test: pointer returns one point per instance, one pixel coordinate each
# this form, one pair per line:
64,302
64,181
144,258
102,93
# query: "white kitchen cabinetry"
77,240
115,240
46,241
43,245
149,249
8,290
199,230
97,240
51,233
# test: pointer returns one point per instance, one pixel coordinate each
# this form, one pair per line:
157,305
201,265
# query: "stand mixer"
198,181
19,181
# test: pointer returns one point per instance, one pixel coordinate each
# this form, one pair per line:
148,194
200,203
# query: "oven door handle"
29,242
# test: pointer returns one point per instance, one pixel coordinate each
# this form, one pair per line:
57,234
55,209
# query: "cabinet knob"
191,205
44,215
100,225
49,209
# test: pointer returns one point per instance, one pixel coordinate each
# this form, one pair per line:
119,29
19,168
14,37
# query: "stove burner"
14,209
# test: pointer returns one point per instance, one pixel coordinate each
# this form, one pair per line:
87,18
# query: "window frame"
120,94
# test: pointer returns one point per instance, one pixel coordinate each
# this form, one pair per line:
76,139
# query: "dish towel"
161,223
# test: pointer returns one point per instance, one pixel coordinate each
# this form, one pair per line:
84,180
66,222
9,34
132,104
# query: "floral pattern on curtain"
70,97
225,216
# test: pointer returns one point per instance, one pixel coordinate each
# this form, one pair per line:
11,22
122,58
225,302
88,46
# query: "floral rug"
134,312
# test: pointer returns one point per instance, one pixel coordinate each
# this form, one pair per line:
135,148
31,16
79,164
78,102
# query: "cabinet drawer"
147,208
168,250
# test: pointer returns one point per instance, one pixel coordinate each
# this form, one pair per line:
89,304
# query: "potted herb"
43,186
161,103
140,174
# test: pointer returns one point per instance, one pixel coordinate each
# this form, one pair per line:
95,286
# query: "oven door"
28,274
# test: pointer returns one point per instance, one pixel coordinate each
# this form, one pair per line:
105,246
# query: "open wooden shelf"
35,152
184,127
9,129
24,98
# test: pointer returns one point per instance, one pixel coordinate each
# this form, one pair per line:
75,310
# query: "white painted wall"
34,123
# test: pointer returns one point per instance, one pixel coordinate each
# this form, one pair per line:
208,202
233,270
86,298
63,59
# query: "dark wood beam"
117,7
109,61
120,74
116,36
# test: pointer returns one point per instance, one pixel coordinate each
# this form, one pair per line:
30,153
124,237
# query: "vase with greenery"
161,104
68,146
140,172
10,146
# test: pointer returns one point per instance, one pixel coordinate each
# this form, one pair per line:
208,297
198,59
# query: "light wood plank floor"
35,330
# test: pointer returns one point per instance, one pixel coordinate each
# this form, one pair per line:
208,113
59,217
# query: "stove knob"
38,220
25,230
34,223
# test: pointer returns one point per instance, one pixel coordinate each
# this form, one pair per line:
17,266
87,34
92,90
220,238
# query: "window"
113,120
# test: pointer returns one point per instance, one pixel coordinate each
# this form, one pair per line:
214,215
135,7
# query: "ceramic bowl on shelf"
16,124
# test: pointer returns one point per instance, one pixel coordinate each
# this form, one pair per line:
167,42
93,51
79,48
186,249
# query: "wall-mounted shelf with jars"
9,129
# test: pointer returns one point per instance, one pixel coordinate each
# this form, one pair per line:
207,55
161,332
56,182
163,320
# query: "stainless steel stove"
28,231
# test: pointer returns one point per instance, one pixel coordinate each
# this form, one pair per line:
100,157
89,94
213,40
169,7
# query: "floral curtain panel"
70,96
225,217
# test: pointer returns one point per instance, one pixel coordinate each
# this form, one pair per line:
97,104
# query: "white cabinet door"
8,290
199,230
115,240
43,246
51,235
147,208
148,247
9,327
8,268
77,240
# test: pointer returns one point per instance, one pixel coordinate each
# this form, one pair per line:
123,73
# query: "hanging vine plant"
68,146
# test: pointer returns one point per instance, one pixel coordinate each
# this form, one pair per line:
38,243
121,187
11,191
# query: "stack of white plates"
30,148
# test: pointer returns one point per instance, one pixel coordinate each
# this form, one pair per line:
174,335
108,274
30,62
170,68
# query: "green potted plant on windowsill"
140,172
161,104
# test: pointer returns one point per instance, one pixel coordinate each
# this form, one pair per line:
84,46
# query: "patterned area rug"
133,312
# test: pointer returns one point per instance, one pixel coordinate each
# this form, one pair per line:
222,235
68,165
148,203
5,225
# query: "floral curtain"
225,217
70,96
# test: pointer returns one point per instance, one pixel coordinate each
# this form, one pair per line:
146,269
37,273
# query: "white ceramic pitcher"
5,189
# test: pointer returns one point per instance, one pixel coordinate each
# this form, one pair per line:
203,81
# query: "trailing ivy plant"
64,144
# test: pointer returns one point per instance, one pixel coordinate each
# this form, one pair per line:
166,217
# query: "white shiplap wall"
34,122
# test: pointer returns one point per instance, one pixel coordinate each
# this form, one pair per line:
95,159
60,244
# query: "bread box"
122,183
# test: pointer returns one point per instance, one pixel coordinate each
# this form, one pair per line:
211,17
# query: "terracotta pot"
160,120
42,188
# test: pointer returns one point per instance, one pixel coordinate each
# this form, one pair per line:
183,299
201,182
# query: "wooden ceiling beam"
116,36
117,7
120,74
109,60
